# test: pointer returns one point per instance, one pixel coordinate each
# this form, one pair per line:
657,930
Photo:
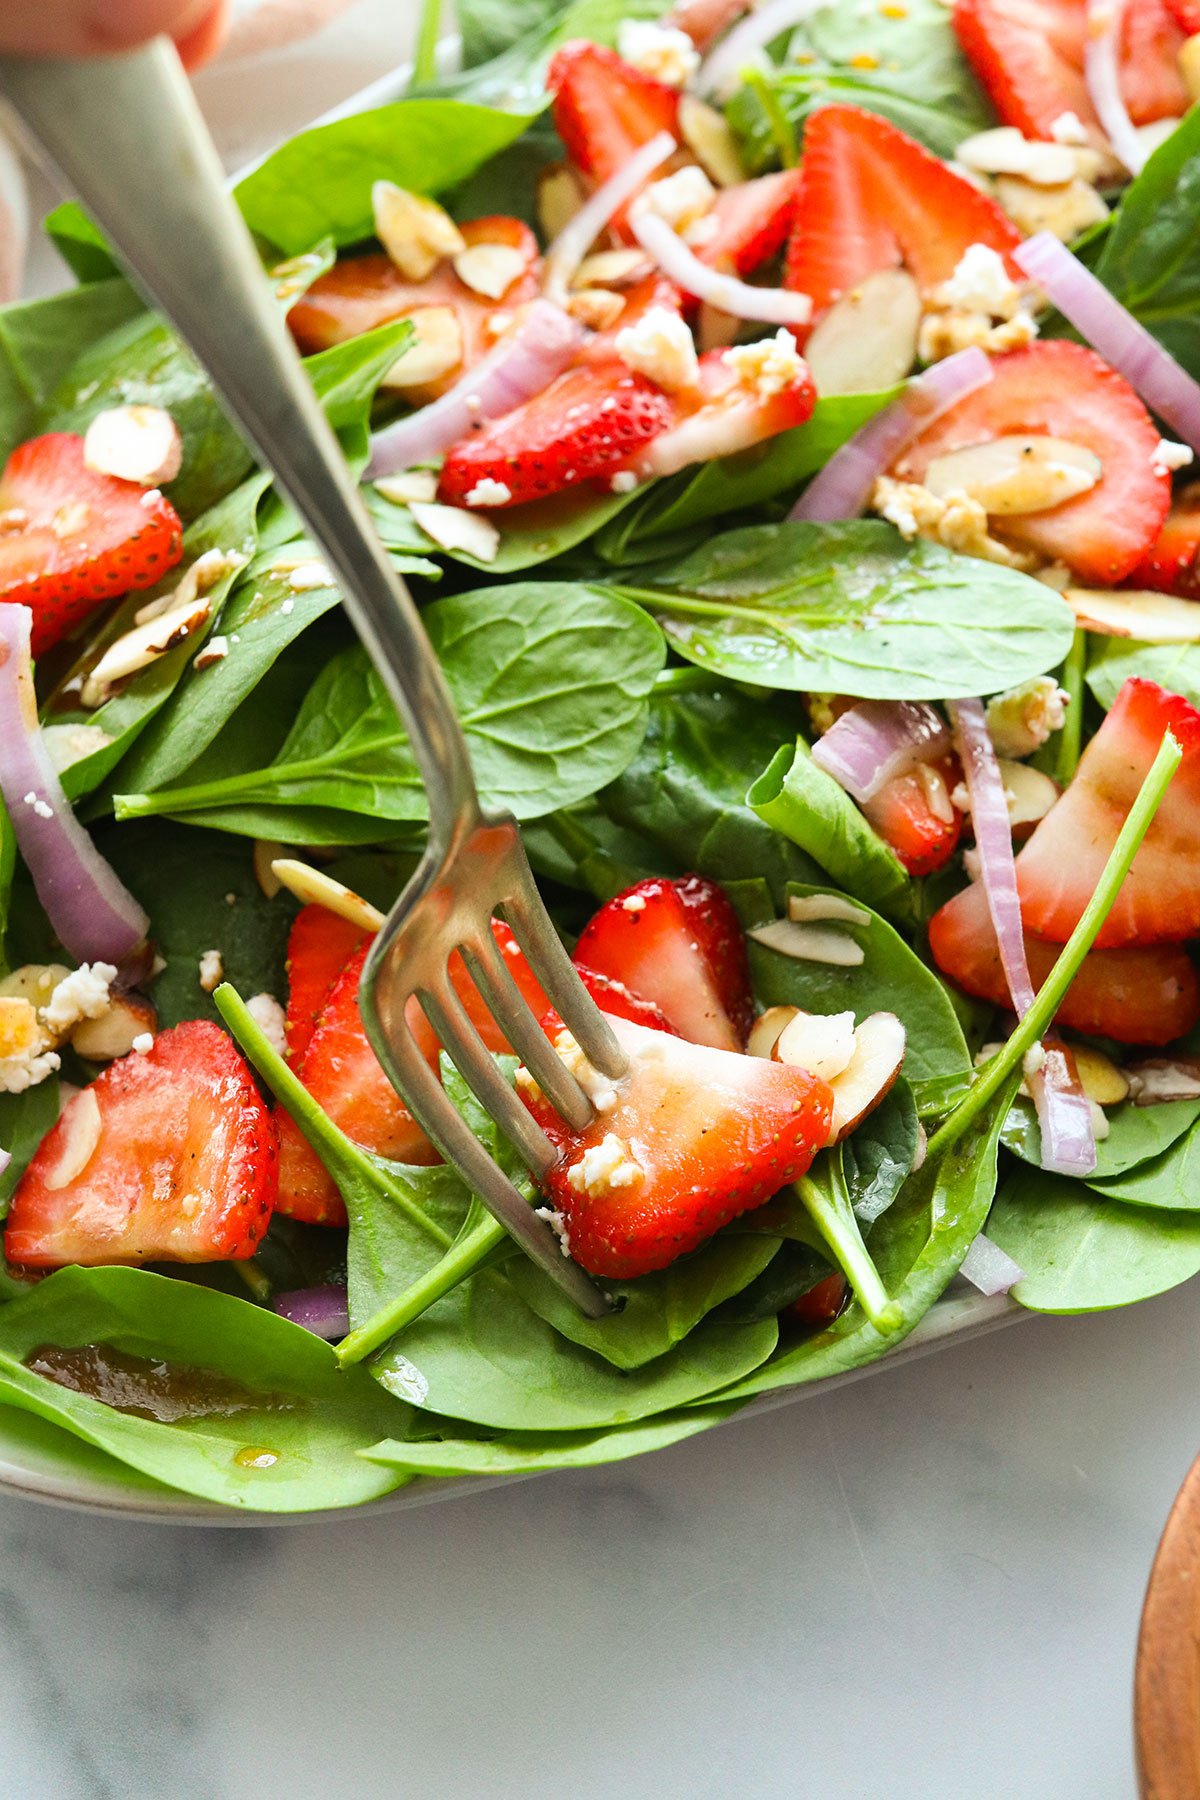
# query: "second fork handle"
126,135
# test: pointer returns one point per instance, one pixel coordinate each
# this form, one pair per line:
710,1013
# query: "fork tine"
476,1065
531,926
491,975
436,1115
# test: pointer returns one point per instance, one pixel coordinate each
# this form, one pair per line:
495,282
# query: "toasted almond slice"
1064,211
822,1043
1136,613
81,1133
1189,65
1100,1078
707,135
612,268
312,887
34,982
416,233
115,1032
135,443
868,339
1030,795
266,854
879,1044
138,648
715,330
764,1033
804,909
20,1032
1161,1079
1004,151
436,350
413,484
490,269
1017,474
454,528
598,308
560,196
809,943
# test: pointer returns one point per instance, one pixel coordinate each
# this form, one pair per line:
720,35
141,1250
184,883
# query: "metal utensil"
127,136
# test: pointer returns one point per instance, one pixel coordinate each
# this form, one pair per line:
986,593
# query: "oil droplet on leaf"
253,1456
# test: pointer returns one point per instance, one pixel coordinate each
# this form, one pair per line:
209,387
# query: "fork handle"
127,136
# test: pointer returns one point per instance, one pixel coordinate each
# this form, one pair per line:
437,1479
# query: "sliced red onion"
776,306
538,347
97,919
580,233
325,1311
1105,324
719,71
14,221
877,740
1064,1110
844,485
1102,72
5,1160
989,1268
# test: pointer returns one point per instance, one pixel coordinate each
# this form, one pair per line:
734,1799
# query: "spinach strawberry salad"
785,420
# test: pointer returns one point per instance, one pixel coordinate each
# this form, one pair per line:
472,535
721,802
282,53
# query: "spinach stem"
428,33
1070,738
783,135
251,781
463,1259
1050,995
835,1221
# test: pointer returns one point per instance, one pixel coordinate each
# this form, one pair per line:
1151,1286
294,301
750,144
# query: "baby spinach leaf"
1137,1138
550,682
319,183
1082,1253
243,1383
825,1218
526,1453
878,1156
24,1121
1112,660
918,1246
1171,1179
795,797
852,608
890,978
40,339
515,78
1150,257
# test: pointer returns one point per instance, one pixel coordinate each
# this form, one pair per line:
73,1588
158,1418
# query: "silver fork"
126,135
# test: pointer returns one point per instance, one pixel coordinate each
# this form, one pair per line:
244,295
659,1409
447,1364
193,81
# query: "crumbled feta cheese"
660,347
662,52
1034,1061
17,1073
487,492
623,482
634,903
1167,456
309,575
1021,719
143,1043
604,1167
1068,128
681,199
43,809
981,283
953,519
597,1087
558,1225
215,651
268,1015
212,970
287,608
944,333
83,994
769,367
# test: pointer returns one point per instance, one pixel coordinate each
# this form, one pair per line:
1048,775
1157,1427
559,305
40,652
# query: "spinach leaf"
24,1121
40,339
1150,257
890,978
851,608
918,1246
1082,1253
1170,1180
515,77
1112,660
795,797
904,63
489,26
520,1453
529,535
245,1382
319,183
1137,1138
878,1156
549,680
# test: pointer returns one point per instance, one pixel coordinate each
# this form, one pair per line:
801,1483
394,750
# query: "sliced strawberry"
169,1156
821,1305
615,998
71,539
1139,995
704,20
679,945
320,945
653,291
1172,563
914,815
1059,867
588,423
604,110
725,415
1062,390
870,198
1151,84
1186,14
362,292
694,1137
752,221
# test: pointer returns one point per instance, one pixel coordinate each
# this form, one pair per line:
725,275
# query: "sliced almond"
715,330
707,135
879,1044
598,308
560,196
1100,1078
312,887
490,269
413,484
416,233
1161,1079
138,648
454,528
79,1135
810,943
1137,613
1189,65
822,1043
435,351
134,443
34,982
868,339
266,854
115,1032
1064,211
764,1033
1004,151
612,268
1018,474
20,1033
804,909
1029,793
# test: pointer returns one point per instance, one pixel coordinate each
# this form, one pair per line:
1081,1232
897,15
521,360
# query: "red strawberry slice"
752,222
1029,54
1172,563
320,945
679,945
587,424
1059,867
725,414
1062,390
71,539
694,1137
1186,14
604,110
913,813
362,292
870,198
1147,995
704,20
169,1156
615,998
821,1305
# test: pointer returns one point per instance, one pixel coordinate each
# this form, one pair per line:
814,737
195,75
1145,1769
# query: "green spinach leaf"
526,1453
1170,1180
40,339
795,797
1112,660
24,1121
878,1156
1150,257
1137,1138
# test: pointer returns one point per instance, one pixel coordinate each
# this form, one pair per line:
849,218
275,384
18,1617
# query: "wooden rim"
1167,1679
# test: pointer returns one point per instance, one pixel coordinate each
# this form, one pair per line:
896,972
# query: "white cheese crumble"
604,1167
953,519
17,1073
623,482
487,492
1068,128
268,1015
143,1043
634,903
558,1225
769,367
682,199
1034,1061
1020,720
1168,456
662,52
660,347
981,283
212,970
83,994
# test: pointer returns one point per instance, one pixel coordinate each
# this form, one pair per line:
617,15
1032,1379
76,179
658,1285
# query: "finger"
94,27
202,42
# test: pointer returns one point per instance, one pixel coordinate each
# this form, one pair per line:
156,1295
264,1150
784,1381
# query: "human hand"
97,27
